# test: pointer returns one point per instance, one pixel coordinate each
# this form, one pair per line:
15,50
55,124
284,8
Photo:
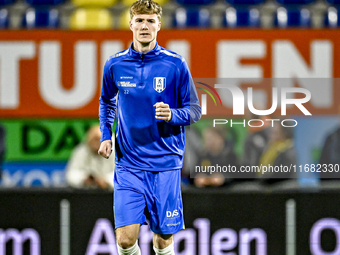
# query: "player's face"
145,27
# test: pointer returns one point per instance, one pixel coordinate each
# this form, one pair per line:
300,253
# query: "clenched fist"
163,111
105,148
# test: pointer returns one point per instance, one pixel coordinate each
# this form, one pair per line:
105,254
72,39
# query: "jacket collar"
152,53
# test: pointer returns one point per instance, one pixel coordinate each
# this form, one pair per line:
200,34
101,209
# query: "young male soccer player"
156,99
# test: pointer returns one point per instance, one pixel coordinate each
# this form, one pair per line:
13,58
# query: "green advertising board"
42,139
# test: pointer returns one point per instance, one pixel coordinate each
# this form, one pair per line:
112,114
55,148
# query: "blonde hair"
145,7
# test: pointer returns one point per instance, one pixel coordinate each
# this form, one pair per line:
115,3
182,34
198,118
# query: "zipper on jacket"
142,71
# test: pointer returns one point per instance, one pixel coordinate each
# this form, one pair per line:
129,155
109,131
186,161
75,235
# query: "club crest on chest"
159,84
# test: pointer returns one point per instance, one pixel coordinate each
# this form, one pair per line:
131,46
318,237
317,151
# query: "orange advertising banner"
57,74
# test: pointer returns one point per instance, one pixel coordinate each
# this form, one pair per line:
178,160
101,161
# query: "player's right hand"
105,148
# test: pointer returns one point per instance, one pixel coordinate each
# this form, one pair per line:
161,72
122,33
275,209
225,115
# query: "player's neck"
144,47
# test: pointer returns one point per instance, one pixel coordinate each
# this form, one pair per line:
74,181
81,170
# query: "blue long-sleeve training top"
141,80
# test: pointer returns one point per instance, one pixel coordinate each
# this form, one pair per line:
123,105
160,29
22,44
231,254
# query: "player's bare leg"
126,238
163,244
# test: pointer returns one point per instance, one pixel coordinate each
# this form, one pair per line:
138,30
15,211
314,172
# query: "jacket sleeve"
189,109
107,103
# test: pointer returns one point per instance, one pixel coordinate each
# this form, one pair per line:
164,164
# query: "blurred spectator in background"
256,141
2,148
87,169
193,150
217,151
279,152
331,155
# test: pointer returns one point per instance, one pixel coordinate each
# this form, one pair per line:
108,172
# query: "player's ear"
130,23
159,26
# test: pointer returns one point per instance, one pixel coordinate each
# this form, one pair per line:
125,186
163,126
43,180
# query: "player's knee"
162,241
126,242
127,236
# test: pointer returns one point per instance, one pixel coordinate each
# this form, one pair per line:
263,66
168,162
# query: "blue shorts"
159,192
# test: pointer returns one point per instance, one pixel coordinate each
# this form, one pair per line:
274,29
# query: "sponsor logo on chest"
126,84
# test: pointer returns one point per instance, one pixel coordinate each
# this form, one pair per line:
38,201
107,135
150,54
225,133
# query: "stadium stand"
241,18
195,2
4,20
124,19
244,2
292,17
94,3
6,2
191,17
332,18
182,13
333,2
92,14
91,19
41,18
44,2
295,2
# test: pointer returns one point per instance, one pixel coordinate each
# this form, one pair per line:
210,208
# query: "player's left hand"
163,111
